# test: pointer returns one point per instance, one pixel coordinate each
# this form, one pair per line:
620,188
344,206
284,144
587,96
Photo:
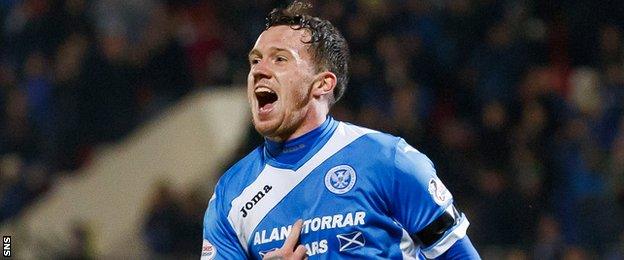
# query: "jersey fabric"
359,192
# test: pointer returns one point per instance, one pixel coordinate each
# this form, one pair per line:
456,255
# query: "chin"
266,127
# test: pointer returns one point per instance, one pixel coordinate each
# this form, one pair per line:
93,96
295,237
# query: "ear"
324,84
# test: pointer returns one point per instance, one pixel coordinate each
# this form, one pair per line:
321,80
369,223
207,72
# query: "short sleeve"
419,194
220,240
418,198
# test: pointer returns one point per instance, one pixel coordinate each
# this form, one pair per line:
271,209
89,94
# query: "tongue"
266,107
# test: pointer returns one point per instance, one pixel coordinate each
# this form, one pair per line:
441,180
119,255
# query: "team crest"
438,191
340,179
208,251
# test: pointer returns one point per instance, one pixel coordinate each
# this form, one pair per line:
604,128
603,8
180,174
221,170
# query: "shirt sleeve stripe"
451,236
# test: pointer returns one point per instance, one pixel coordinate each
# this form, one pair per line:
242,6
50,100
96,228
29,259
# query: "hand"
288,251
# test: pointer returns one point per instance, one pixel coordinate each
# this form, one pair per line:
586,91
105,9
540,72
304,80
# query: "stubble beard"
292,119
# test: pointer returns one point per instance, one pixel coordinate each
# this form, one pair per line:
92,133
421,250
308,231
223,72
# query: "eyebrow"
253,52
275,49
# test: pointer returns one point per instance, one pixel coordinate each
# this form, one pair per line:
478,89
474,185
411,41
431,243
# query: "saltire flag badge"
351,240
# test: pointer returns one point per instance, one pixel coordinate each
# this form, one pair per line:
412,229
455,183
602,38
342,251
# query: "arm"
462,249
424,207
220,240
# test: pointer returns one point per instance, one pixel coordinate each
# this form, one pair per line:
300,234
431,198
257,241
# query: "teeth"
263,89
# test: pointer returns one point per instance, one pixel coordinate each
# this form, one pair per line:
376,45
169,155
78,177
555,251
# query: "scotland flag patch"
351,240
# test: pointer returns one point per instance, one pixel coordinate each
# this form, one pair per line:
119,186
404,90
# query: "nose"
261,70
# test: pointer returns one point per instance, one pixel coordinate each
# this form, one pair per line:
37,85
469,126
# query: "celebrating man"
318,187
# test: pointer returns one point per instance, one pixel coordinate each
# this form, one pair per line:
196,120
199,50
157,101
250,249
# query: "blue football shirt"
360,193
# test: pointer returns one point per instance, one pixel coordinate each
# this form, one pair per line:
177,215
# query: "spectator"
521,103
161,228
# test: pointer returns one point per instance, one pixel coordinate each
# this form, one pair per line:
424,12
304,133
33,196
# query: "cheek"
250,96
296,89
250,90
303,88
250,82
296,94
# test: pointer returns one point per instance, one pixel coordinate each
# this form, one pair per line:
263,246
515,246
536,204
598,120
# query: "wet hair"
327,46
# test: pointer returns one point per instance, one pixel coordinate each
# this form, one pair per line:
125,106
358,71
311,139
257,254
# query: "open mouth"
266,97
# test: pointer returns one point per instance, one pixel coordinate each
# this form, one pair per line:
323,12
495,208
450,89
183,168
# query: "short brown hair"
328,47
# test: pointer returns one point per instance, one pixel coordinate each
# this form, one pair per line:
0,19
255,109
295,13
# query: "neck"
290,153
312,120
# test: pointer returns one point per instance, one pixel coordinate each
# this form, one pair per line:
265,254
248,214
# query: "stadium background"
519,104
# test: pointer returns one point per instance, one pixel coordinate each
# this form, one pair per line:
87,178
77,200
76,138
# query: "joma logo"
250,204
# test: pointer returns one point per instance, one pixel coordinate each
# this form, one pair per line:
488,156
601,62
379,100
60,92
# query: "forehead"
283,37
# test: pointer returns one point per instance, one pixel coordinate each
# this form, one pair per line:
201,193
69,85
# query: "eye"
254,61
280,59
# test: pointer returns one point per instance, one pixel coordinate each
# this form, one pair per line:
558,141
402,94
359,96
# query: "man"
351,192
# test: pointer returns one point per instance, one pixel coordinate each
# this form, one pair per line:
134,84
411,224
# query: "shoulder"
375,142
250,160
239,175
383,146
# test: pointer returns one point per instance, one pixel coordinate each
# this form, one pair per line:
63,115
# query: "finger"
300,252
273,255
293,237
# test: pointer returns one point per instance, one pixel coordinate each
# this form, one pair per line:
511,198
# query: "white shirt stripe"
282,182
457,233
408,249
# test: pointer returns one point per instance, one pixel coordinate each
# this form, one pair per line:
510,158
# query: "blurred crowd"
519,103
77,73
174,222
